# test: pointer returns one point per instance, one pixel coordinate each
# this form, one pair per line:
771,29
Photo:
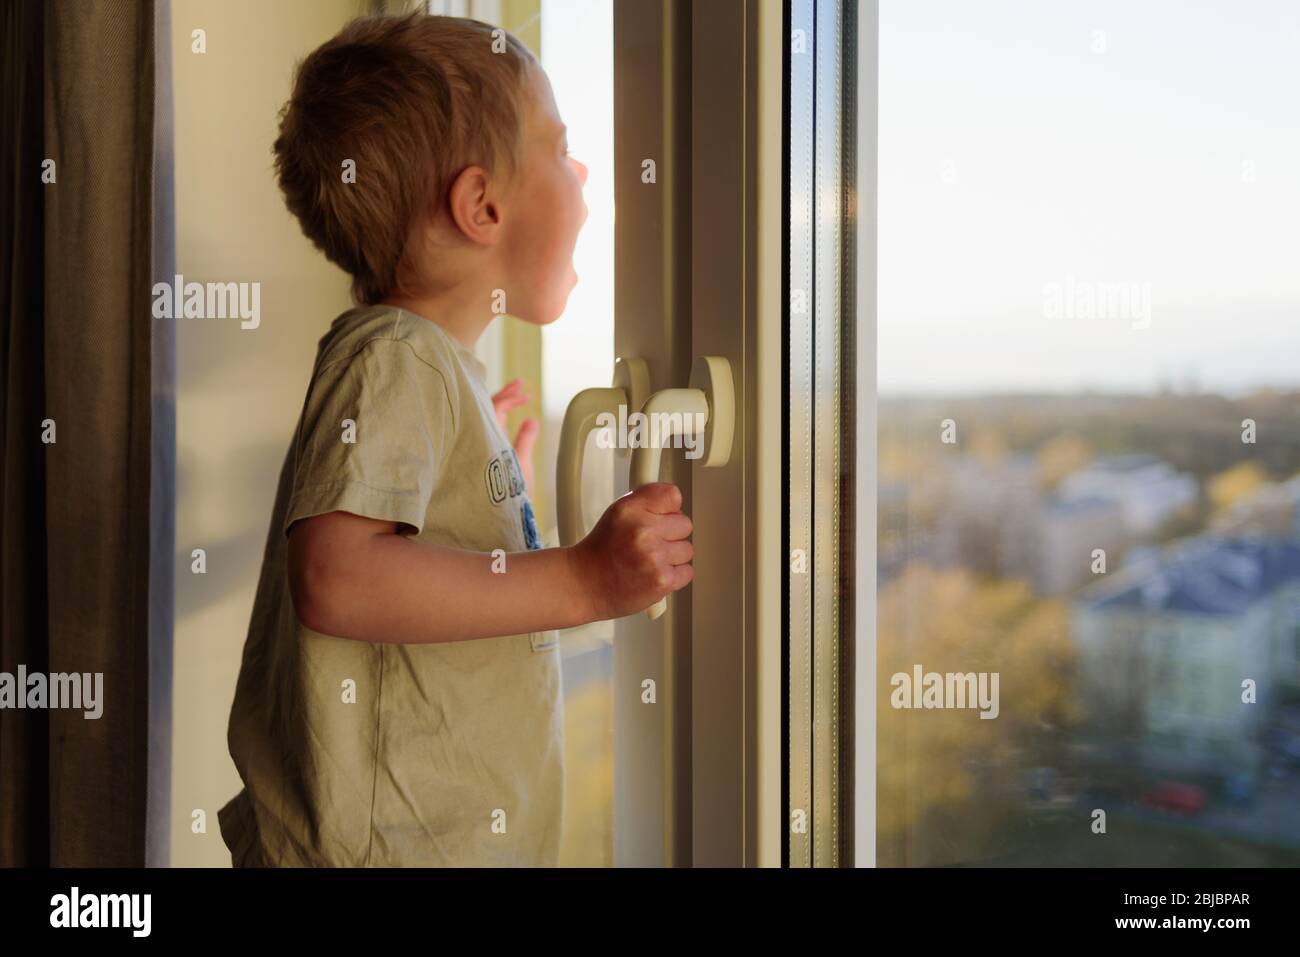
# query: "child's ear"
474,209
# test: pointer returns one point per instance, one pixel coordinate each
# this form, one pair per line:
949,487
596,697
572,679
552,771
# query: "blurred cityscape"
1130,565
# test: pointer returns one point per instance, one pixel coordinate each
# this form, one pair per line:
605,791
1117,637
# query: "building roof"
1125,462
1209,575
1091,502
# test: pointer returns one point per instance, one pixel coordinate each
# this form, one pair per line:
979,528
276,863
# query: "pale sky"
578,56
1133,165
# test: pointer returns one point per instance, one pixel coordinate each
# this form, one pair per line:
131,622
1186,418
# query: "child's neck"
461,312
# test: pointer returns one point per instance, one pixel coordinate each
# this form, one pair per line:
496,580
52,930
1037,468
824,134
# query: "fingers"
678,553
681,576
512,388
526,438
643,542
510,397
674,527
662,498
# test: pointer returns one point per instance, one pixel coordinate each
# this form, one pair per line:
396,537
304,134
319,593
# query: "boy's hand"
508,398
637,553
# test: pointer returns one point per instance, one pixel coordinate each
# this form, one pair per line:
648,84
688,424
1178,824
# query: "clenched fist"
638,552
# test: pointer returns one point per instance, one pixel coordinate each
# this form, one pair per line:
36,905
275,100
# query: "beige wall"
239,391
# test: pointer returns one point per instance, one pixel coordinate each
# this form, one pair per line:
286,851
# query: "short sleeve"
374,436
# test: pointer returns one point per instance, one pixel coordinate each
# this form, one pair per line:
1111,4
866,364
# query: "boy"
399,701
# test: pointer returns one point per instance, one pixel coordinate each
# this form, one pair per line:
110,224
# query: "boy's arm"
355,577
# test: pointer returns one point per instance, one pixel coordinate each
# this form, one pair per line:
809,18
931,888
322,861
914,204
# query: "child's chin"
546,316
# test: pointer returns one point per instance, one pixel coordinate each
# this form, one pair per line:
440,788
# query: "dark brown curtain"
77,581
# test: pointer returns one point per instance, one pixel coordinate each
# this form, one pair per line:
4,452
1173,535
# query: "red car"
1172,796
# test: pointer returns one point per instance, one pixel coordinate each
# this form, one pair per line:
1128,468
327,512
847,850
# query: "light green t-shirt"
452,753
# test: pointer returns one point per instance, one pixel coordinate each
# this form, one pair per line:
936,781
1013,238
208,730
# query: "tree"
937,766
1235,484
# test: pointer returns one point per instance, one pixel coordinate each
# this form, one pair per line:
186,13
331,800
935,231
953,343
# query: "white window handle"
706,411
630,389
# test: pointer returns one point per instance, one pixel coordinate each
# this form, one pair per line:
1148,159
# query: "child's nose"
582,172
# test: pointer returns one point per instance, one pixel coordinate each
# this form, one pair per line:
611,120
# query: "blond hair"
412,100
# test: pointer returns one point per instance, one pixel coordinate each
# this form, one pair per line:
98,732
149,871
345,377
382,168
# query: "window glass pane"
1089,439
